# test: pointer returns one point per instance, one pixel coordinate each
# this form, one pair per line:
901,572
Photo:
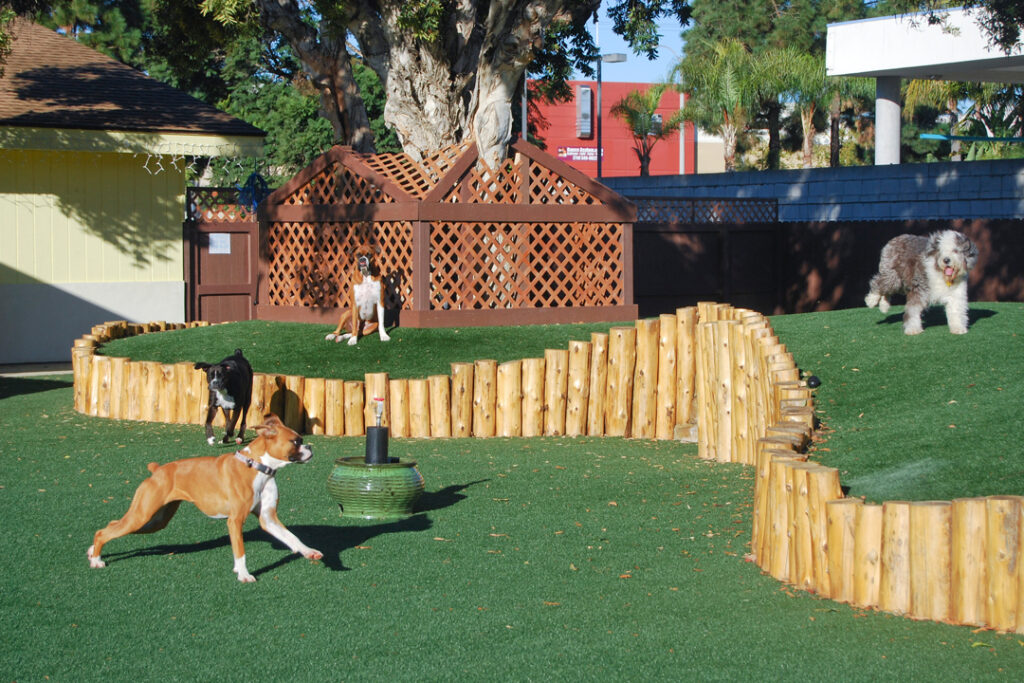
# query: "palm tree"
638,110
845,91
803,81
724,91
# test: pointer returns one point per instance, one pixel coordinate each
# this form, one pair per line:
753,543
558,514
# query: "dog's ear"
967,247
201,366
270,424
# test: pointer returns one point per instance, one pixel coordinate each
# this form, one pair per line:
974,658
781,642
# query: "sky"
636,68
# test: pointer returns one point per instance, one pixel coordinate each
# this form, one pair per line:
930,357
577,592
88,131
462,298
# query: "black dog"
230,389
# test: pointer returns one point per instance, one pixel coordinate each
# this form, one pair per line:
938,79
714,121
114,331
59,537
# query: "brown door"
222,270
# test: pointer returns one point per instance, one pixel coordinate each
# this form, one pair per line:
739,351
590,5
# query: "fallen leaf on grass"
363,547
978,643
446,540
552,604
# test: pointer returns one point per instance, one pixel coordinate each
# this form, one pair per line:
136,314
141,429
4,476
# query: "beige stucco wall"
89,217
84,238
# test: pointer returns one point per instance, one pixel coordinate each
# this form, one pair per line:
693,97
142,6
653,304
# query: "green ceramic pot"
375,491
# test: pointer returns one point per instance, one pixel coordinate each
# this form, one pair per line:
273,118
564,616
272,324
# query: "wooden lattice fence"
457,243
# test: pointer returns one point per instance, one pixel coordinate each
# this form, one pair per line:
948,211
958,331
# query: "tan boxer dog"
225,486
365,299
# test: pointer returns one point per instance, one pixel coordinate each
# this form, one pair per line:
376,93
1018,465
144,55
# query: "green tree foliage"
763,26
724,87
244,69
450,70
638,110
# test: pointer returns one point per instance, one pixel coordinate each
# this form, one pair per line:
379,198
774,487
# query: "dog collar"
258,466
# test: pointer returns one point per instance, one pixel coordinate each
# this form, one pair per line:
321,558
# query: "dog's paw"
211,440
330,337
313,554
385,337
94,560
958,330
883,305
913,329
352,341
238,440
246,577
871,300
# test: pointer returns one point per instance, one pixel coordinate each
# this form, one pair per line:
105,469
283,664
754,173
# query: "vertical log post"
598,383
334,407
398,390
355,395
556,383
930,554
419,408
510,399
867,555
462,399
294,411
842,525
969,589
668,377
1004,557
645,380
533,396
315,401
894,583
578,389
621,360
376,386
440,406
686,330
484,390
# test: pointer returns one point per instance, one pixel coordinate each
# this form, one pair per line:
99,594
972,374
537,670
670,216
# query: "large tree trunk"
461,85
326,60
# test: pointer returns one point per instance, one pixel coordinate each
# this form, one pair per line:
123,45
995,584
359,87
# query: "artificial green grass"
300,349
529,559
934,416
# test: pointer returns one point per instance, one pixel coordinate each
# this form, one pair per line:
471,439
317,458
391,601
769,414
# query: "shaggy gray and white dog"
930,271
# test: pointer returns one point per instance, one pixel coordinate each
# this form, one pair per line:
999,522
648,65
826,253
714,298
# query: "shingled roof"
51,81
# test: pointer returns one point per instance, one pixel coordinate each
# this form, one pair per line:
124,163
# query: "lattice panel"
416,178
546,187
484,187
338,185
312,264
670,210
217,205
525,265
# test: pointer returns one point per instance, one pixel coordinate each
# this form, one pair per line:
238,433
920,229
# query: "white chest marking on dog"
225,401
367,295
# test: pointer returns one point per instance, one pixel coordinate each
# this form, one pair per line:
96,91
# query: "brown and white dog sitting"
930,271
366,299
226,486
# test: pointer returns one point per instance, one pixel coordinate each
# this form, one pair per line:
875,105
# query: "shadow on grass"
446,497
936,316
329,539
21,386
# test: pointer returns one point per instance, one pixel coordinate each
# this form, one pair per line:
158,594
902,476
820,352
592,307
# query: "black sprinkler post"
377,438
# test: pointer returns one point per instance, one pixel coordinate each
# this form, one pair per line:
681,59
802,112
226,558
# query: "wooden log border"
714,366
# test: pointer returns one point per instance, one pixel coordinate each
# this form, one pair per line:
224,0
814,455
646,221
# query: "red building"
569,131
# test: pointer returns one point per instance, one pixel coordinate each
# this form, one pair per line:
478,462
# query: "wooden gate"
221,256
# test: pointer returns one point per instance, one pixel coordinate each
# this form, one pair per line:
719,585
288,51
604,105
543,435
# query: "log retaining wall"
714,367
